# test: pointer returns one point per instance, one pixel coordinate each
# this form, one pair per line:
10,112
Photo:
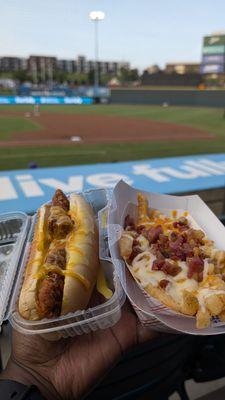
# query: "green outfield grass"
10,125
209,119
50,156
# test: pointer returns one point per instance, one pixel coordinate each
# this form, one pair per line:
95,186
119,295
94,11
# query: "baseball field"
70,135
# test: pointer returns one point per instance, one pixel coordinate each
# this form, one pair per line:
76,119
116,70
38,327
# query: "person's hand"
69,368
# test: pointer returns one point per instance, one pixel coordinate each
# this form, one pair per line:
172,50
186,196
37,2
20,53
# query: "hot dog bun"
82,252
27,299
70,285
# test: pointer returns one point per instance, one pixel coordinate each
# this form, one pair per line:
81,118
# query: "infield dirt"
59,128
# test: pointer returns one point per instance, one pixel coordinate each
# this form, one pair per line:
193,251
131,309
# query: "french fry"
125,245
190,303
214,304
143,217
202,319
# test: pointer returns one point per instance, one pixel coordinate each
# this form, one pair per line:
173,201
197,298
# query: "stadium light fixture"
96,16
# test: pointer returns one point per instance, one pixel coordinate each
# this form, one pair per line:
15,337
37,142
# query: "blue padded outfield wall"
45,100
26,190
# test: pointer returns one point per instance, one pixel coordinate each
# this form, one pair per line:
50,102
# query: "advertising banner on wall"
26,190
44,100
212,69
220,49
213,59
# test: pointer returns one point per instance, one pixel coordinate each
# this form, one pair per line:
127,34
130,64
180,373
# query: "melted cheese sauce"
142,266
175,290
143,243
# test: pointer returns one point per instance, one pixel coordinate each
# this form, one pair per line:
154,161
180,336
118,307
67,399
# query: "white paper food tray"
13,259
150,311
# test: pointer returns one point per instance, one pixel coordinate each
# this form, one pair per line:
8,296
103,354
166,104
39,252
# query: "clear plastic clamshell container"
16,233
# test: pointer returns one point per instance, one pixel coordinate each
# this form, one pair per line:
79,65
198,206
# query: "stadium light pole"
96,16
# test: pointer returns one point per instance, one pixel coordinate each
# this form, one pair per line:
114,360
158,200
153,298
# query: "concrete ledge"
214,198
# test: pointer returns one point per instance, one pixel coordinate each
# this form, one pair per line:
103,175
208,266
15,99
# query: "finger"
145,334
129,331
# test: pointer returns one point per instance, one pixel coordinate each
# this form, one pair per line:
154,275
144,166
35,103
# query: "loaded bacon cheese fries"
173,261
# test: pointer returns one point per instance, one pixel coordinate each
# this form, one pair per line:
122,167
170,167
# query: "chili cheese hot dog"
63,264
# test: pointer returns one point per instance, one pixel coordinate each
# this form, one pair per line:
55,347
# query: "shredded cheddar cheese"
77,250
102,285
85,282
45,270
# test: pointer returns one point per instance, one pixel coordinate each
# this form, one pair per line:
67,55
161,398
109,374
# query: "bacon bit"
173,236
135,243
140,229
180,240
163,283
166,267
171,268
174,213
135,251
129,223
163,238
175,258
154,233
157,265
165,253
195,236
187,249
200,277
160,256
195,268
183,221
179,246
176,245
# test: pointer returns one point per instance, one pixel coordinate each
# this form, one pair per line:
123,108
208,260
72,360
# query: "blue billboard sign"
44,100
26,190
213,59
211,69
